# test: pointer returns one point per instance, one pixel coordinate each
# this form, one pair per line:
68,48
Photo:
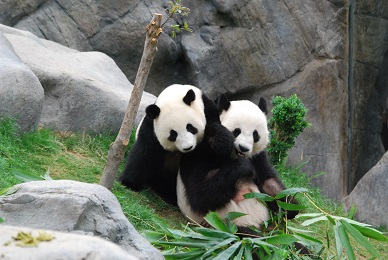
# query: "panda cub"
174,125
215,179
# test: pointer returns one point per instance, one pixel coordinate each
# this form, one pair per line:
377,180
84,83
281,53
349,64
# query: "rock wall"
250,49
369,86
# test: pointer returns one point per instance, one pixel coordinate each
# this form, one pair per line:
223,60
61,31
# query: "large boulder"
71,206
250,49
21,94
84,91
370,195
63,246
368,79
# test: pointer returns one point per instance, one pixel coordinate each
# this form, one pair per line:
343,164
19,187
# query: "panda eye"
236,132
192,129
173,136
256,136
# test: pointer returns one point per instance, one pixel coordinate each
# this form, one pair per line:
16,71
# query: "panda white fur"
208,181
175,124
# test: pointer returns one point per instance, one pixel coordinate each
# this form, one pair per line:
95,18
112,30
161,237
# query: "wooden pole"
117,148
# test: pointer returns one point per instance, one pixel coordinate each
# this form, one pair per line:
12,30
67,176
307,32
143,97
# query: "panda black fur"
174,125
228,164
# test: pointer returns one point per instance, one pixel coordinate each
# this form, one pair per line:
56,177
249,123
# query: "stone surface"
370,195
64,246
71,206
323,85
248,49
84,91
369,94
21,94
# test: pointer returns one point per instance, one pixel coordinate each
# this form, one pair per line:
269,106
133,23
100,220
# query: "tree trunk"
117,148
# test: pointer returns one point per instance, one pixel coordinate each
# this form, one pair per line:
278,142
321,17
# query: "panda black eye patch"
191,129
256,136
173,136
236,132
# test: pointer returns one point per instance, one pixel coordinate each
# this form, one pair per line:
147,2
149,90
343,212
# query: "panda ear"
223,102
263,105
152,111
190,97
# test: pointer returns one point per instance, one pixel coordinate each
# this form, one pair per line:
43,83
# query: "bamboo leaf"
233,215
338,243
212,233
218,246
288,192
260,196
240,253
192,244
283,239
330,219
360,238
9,191
229,252
309,215
351,221
345,242
153,236
47,176
289,206
215,221
26,177
247,252
306,238
299,230
372,233
314,220
184,255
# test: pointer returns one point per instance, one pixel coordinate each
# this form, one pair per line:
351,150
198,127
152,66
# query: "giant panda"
174,125
213,179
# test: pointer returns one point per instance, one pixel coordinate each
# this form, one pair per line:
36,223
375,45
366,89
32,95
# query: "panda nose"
188,149
243,148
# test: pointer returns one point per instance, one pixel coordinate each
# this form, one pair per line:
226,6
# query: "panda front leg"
269,183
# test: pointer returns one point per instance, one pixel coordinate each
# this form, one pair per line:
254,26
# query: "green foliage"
176,8
287,122
82,157
223,241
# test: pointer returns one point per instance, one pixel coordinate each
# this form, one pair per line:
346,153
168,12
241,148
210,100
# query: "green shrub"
287,122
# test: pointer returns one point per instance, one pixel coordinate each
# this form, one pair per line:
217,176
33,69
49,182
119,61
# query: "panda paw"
220,139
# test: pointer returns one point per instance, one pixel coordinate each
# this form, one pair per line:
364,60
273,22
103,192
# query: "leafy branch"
176,8
223,241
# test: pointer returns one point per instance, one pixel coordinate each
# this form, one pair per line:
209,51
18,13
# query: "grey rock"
250,48
73,206
63,246
321,85
21,94
84,91
368,92
370,195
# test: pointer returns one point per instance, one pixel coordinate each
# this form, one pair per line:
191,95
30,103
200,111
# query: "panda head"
179,118
248,124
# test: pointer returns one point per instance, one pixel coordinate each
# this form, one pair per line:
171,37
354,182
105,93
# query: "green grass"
82,157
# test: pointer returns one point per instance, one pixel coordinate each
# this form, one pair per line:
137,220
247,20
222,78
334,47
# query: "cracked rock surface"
76,207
